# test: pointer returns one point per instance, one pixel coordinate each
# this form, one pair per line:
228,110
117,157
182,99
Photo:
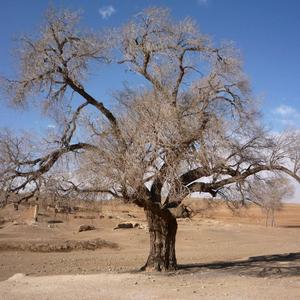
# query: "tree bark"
162,229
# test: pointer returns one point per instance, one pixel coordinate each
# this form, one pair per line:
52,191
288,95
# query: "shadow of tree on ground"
290,226
276,265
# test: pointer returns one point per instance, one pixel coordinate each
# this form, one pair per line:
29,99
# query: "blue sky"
266,32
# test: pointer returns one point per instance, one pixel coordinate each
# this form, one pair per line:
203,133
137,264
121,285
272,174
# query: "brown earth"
213,251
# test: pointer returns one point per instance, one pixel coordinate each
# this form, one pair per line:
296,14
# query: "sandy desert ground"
221,255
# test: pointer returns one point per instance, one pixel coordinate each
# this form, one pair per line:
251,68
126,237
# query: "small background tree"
269,193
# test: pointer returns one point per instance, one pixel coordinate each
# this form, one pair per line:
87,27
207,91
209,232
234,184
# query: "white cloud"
288,122
295,198
51,126
287,115
106,11
285,110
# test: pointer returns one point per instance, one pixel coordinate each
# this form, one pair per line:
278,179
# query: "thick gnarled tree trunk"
162,228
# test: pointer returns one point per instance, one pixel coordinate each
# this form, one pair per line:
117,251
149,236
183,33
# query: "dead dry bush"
54,246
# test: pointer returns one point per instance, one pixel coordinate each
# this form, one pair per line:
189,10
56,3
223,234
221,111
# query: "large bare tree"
192,126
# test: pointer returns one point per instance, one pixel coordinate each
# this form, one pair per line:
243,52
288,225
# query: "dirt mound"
85,227
56,246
